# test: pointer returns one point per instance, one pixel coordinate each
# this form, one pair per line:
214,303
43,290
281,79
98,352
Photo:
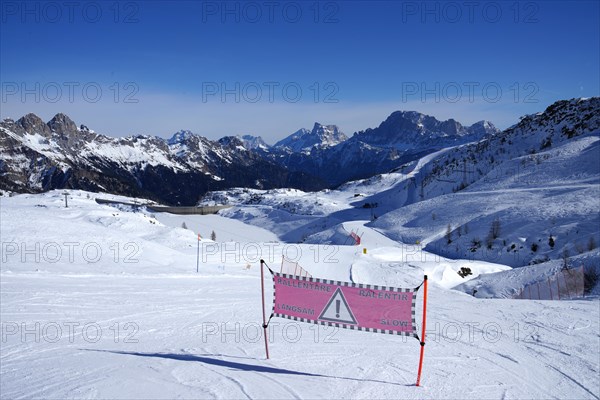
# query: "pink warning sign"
346,305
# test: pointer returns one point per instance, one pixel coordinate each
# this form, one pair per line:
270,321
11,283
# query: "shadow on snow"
236,365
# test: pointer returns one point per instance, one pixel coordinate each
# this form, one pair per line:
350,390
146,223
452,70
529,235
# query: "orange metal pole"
423,330
262,287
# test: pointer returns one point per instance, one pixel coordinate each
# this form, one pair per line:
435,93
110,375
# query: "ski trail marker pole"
198,255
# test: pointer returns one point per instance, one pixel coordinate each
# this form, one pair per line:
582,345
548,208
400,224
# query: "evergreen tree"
449,234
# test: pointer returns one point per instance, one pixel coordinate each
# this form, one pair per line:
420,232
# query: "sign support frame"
262,288
423,331
422,338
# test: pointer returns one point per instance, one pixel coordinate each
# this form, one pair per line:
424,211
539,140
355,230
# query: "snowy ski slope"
113,308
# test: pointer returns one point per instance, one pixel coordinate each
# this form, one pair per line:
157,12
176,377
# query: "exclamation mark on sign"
337,308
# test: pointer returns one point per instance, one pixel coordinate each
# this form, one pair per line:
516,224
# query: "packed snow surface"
102,301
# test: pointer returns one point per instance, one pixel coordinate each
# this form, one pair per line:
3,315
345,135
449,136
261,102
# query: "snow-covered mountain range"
38,156
401,138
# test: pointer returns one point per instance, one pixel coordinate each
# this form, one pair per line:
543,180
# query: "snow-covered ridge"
38,156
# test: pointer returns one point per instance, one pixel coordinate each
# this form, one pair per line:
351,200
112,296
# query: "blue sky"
271,67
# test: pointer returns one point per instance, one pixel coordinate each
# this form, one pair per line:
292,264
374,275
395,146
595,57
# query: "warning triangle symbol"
337,309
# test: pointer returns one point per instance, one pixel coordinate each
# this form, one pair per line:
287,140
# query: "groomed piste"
98,301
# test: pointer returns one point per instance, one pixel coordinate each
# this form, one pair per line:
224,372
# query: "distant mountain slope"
410,129
401,138
303,140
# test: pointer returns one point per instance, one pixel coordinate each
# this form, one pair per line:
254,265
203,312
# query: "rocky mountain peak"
31,123
320,136
483,128
63,125
452,127
411,129
181,137
231,142
328,135
254,142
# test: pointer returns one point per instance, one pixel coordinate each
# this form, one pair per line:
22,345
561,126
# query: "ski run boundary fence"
293,268
564,284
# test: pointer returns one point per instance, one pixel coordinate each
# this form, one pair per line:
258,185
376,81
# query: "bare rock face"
304,140
63,125
31,123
